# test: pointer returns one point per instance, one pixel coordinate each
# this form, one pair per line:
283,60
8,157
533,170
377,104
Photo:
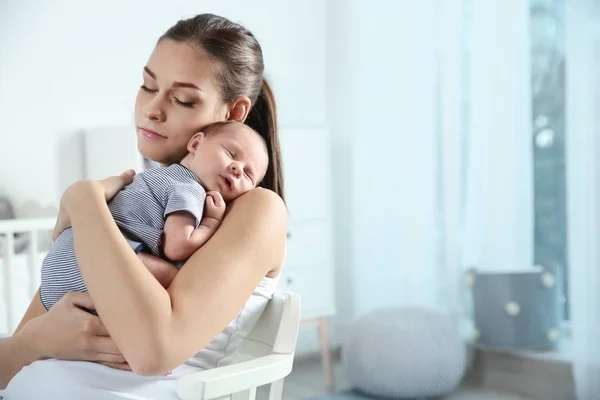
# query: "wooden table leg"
325,354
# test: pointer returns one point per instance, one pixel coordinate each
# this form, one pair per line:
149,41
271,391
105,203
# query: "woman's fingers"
113,184
67,332
118,365
108,358
100,346
78,299
105,345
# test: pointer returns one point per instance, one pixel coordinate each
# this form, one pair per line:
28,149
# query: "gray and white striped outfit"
140,210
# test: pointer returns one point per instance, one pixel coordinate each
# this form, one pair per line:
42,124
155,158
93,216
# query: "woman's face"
177,99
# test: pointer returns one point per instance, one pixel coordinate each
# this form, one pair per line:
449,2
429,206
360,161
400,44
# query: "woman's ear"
195,141
239,109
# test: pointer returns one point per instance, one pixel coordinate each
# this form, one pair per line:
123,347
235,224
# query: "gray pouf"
356,395
404,353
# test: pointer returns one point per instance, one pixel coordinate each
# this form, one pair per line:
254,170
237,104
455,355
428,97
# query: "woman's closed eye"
187,104
148,90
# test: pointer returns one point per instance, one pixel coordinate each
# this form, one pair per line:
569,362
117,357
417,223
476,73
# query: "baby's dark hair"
215,127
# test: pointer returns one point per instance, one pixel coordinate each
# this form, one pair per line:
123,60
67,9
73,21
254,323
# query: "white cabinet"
110,151
309,267
307,172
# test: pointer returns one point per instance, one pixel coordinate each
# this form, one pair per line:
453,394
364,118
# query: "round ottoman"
404,353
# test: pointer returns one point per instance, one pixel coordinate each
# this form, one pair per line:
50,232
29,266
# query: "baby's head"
228,157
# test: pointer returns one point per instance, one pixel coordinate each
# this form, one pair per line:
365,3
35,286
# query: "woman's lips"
150,134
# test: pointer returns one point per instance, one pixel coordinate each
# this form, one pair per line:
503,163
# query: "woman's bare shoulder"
251,236
264,199
264,212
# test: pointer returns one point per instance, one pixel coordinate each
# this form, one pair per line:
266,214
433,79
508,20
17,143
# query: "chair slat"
9,252
249,394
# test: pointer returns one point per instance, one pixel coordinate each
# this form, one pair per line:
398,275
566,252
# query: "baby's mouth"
228,182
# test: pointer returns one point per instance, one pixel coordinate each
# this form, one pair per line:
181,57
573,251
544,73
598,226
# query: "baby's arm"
182,238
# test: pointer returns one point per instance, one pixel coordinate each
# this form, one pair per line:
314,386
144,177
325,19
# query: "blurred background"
426,144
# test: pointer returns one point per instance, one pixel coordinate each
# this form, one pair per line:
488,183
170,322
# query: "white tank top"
223,348
59,380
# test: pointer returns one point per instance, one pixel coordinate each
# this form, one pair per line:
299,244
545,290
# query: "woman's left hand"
124,366
109,186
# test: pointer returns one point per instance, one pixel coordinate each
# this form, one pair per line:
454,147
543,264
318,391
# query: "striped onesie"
140,210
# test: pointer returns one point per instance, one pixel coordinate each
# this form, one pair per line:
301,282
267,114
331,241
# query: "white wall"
68,65
382,104
395,155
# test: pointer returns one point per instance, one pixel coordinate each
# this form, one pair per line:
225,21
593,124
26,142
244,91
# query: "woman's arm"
65,332
158,329
35,309
15,354
163,271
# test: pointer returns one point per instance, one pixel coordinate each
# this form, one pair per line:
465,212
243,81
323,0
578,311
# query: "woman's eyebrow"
149,72
175,84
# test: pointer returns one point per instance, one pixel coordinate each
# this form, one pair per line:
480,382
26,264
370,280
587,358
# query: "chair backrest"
276,331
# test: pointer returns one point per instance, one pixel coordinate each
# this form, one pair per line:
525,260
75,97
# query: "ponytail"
263,119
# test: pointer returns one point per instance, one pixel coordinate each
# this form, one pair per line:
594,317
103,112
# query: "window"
548,130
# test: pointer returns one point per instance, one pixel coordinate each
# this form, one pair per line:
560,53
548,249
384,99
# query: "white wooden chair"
265,358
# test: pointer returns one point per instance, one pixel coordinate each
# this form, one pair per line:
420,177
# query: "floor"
307,381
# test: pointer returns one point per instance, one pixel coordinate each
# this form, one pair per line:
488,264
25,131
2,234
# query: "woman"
203,70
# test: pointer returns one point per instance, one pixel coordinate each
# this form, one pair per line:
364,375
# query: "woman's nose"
153,110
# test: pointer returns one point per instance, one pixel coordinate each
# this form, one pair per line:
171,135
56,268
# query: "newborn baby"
163,210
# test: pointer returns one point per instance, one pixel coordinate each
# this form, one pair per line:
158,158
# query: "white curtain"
486,156
582,46
485,136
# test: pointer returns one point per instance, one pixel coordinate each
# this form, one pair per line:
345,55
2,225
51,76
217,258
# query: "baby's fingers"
210,201
218,199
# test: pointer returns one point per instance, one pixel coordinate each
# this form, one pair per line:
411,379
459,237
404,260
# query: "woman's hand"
109,187
67,332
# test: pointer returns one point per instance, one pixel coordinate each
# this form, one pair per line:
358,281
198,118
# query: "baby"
163,210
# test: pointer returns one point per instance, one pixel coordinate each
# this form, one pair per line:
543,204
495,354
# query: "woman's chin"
154,153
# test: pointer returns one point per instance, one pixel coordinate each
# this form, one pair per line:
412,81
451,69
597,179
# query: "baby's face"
231,161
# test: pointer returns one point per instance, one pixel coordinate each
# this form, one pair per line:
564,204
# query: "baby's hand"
215,206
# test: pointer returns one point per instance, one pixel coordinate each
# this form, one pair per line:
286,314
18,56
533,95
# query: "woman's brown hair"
240,73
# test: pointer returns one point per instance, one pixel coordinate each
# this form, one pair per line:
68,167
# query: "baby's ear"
195,141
